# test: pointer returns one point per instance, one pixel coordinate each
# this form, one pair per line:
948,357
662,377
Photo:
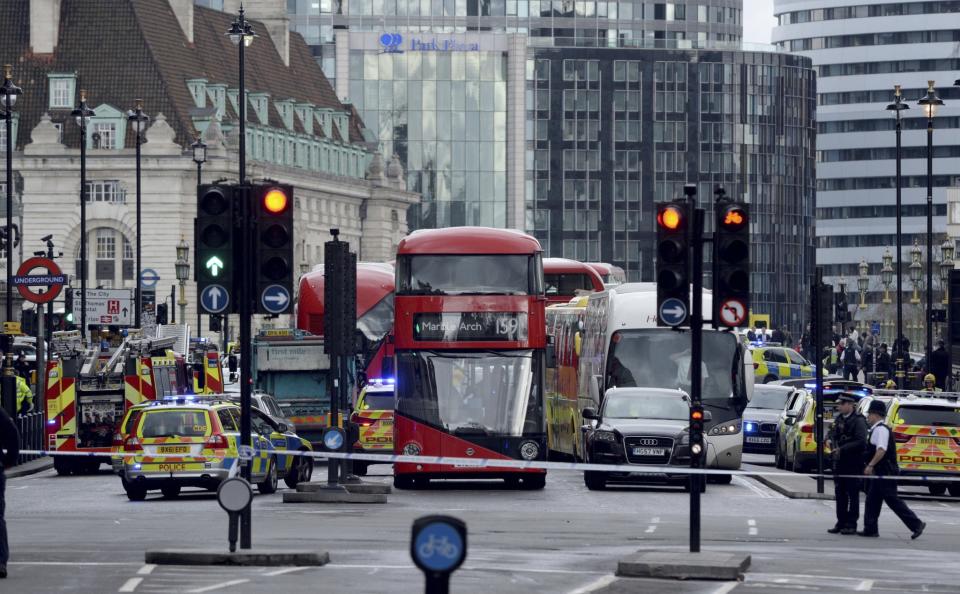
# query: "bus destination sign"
470,326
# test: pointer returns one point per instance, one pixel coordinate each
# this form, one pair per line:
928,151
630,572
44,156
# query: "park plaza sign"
393,43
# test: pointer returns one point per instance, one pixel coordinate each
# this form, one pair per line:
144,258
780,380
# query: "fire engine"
88,391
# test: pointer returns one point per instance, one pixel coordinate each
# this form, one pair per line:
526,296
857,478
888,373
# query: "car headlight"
411,449
684,438
608,436
729,428
529,450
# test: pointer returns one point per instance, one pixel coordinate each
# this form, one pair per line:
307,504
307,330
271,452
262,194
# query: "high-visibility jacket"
24,396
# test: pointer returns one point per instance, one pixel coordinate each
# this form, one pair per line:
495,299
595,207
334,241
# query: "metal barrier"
30,427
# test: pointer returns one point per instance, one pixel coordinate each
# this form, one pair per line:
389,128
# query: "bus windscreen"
464,275
470,393
661,359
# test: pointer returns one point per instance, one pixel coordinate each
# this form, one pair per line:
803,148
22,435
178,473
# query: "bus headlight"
729,428
411,449
529,450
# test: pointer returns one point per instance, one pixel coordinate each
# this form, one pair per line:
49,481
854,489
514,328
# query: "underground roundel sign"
29,278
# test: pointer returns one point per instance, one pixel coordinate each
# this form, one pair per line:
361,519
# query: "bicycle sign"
438,547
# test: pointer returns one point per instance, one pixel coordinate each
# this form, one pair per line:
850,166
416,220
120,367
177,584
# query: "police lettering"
931,459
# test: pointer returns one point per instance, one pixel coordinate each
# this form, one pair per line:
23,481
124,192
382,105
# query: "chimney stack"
273,15
184,11
44,25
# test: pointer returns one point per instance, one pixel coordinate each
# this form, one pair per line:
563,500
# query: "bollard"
438,546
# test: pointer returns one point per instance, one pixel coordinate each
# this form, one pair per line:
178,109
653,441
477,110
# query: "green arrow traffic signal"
214,265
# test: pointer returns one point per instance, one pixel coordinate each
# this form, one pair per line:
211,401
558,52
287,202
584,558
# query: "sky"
758,21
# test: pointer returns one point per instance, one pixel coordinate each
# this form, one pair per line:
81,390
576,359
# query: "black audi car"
644,426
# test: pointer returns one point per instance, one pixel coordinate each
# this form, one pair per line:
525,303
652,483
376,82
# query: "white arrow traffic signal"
214,265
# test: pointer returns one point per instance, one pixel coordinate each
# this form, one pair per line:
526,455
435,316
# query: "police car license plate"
932,441
649,451
173,449
759,440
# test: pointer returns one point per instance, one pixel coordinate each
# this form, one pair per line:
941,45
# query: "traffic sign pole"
245,310
696,358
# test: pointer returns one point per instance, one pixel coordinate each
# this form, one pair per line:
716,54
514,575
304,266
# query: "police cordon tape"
512,464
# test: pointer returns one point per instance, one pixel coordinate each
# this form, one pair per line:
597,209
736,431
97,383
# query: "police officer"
847,441
24,396
881,455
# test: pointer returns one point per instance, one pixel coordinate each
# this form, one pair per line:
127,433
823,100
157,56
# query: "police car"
799,449
927,434
774,363
195,442
374,417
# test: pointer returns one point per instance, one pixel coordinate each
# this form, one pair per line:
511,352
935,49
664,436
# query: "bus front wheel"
403,482
533,482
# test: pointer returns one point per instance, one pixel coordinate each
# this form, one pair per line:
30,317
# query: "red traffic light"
733,218
275,201
670,217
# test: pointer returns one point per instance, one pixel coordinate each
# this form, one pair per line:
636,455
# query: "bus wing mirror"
789,421
577,343
590,414
707,416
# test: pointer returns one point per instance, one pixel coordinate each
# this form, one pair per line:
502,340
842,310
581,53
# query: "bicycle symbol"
438,546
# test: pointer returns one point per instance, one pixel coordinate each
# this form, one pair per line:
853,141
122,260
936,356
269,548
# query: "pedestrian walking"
851,360
881,455
882,364
939,365
9,450
847,442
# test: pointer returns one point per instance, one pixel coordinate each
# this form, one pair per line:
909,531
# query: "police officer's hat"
847,398
877,407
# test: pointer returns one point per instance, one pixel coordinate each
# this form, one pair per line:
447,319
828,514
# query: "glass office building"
570,119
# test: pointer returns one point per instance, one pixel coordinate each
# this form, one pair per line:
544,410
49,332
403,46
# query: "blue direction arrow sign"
275,299
214,299
673,312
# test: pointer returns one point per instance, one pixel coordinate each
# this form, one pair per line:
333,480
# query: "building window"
61,91
104,135
106,244
106,191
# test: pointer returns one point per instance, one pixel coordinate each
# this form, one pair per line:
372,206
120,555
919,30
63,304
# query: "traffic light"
161,314
214,255
842,310
824,315
697,448
215,324
68,309
273,212
731,258
673,263
339,298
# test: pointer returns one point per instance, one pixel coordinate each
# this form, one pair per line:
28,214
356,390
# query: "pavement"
81,534
31,467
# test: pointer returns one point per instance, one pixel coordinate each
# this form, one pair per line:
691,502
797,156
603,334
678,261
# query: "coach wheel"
63,465
937,490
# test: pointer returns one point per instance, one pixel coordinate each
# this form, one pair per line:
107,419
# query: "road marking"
468,568
651,529
218,586
728,587
285,570
146,569
130,585
752,530
594,585
864,586
79,563
762,491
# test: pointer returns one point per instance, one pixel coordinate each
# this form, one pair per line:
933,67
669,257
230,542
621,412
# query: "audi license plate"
759,440
649,451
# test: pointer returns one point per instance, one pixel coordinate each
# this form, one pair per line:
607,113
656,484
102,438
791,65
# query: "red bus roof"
563,265
601,267
468,240
374,282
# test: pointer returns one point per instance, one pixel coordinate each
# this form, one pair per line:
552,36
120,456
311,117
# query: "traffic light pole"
818,346
696,358
245,311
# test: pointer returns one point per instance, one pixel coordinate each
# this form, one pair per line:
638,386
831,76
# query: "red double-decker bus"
374,312
565,279
470,347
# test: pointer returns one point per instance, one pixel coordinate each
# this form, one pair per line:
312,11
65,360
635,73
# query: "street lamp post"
896,107
946,265
886,274
916,269
199,156
929,103
9,93
82,115
139,121
863,282
242,35
183,273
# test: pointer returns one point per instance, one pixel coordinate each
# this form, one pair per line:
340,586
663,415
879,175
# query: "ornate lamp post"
886,275
863,282
896,107
242,35
183,273
199,155
9,93
946,265
929,104
916,269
